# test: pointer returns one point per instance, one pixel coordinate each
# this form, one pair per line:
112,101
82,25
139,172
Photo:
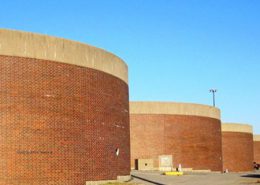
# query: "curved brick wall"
257,148
237,147
193,141
61,123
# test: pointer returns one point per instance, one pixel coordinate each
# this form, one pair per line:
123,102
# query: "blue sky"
176,50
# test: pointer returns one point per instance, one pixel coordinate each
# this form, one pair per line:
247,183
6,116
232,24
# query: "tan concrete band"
119,180
236,127
256,137
31,45
174,108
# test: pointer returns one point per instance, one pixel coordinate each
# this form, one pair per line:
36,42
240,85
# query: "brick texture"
193,141
257,151
61,124
237,151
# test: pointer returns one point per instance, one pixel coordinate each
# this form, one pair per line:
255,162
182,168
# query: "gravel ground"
151,178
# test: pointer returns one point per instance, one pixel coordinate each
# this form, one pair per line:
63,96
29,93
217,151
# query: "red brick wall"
257,151
61,124
237,151
194,141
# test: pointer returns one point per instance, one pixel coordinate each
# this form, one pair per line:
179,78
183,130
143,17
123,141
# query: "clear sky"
176,50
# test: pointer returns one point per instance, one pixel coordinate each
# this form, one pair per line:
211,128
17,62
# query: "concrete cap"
236,127
31,45
256,137
174,108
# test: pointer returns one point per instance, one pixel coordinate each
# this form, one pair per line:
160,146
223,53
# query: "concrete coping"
256,137
236,127
37,46
174,108
119,180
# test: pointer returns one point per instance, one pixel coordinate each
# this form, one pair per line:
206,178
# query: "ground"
151,178
126,183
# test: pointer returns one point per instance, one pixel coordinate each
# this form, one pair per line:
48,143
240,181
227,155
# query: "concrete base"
201,171
166,169
124,178
184,169
187,169
119,179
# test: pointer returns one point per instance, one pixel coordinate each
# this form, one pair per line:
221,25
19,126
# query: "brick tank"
191,133
61,122
237,147
256,139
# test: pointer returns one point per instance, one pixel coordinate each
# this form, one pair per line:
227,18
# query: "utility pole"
213,91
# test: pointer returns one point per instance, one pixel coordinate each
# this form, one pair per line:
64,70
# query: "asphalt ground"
156,178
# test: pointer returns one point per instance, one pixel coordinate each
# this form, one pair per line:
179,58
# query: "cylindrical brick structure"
237,147
190,133
256,139
64,112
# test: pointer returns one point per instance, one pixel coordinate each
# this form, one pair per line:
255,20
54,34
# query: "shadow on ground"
152,182
251,175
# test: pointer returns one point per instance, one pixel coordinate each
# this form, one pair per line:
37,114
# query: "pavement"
156,178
